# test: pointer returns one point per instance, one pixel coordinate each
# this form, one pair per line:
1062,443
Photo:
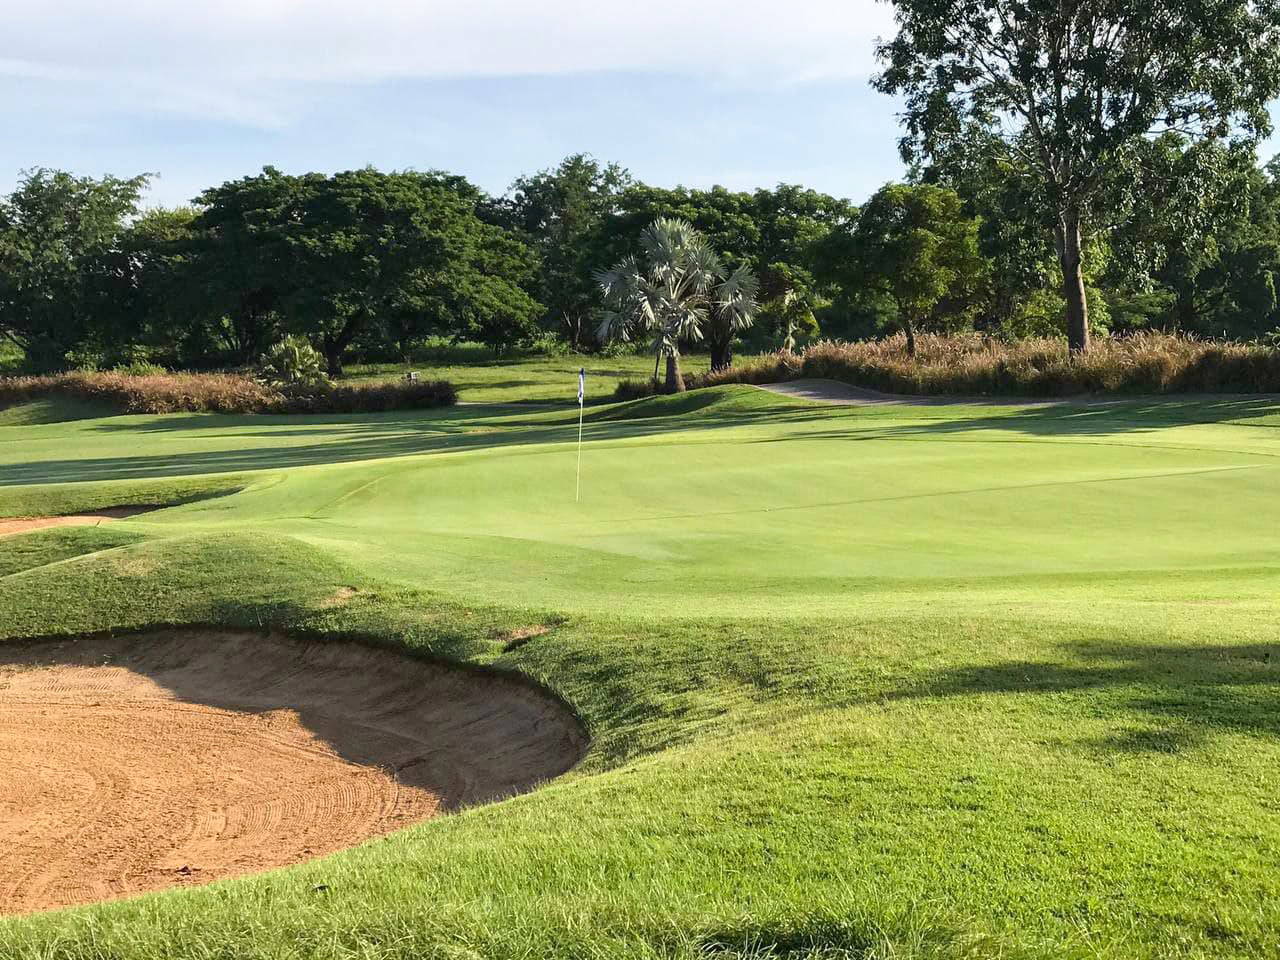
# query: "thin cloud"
332,41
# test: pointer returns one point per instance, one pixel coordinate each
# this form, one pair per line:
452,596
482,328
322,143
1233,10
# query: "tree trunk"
675,380
721,356
909,328
574,323
335,345
333,351
1069,255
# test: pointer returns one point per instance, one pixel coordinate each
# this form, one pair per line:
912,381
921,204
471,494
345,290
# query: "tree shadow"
349,439
1191,691
1061,420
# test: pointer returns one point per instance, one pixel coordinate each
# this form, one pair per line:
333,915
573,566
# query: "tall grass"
123,392
978,366
1144,363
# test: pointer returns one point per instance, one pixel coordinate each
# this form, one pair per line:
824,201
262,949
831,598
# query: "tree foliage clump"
293,362
59,243
1072,91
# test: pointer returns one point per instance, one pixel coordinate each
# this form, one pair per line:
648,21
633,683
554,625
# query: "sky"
742,93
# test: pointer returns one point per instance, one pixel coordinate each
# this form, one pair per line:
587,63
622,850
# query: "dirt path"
843,394
12,525
135,763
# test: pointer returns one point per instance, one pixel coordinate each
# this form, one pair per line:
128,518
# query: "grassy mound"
728,399
124,393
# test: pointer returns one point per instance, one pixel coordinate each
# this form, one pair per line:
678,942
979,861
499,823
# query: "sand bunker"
133,763
11,525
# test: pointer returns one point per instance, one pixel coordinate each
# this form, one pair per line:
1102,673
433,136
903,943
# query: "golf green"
893,680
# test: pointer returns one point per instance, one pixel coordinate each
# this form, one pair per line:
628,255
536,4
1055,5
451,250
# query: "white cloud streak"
232,43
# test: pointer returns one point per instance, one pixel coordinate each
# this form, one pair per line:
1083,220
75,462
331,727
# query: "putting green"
929,681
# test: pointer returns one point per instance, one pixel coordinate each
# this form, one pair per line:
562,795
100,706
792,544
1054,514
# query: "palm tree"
676,290
733,309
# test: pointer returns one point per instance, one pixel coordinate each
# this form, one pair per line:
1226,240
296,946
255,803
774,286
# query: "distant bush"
369,397
978,366
292,362
139,368
635,389
223,393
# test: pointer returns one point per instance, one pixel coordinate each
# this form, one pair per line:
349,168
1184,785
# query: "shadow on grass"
1065,420
344,440
1193,691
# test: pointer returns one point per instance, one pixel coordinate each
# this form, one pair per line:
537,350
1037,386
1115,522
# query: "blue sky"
733,93
743,93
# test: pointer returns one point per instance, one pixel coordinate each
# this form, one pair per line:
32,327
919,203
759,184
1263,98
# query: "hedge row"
1147,363
223,393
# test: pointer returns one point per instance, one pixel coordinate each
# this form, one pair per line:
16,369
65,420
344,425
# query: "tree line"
377,263
1075,169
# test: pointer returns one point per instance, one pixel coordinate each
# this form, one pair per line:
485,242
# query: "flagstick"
577,481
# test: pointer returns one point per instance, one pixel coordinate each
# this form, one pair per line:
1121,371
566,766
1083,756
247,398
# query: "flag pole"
577,480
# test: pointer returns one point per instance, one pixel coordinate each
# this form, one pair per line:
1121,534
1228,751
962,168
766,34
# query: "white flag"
582,385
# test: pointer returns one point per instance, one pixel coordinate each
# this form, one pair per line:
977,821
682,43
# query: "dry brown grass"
222,393
977,366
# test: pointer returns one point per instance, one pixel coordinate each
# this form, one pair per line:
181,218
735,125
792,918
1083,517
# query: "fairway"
866,681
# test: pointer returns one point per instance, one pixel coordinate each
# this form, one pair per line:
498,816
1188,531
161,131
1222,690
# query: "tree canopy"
1071,91
330,257
563,213
914,244
59,237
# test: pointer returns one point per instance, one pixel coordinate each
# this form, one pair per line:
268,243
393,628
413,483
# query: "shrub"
139,368
223,393
634,389
293,361
977,366
369,397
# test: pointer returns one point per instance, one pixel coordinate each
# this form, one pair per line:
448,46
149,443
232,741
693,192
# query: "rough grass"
125,393
63,498
886,683
541,380
1146,363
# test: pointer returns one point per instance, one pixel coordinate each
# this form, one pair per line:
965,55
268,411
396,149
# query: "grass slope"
535,380
893,681
51,410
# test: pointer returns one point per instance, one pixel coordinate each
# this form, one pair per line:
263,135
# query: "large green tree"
1071,89
240,261
154,305
914,244
364,245
563,213
59,243
360,254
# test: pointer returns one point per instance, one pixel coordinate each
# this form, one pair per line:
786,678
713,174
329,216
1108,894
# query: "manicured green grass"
50,410
537,380
876,682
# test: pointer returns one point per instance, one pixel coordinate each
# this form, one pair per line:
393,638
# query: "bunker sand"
12,525
130,764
